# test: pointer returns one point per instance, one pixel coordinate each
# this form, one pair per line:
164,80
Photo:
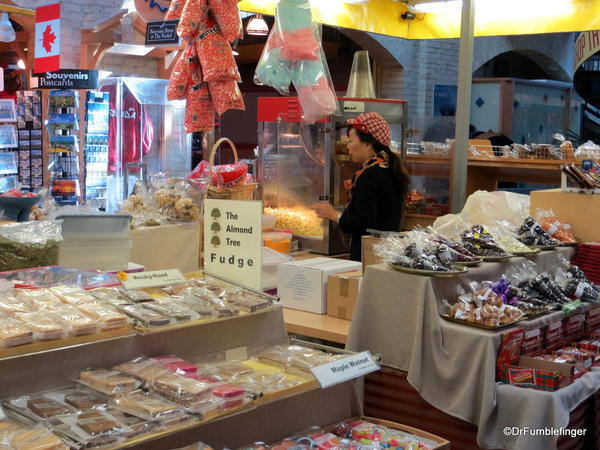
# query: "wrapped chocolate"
532,233
480,242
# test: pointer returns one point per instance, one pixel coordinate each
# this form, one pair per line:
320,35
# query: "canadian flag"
47,38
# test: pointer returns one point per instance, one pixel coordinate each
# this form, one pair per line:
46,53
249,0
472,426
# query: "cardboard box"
533,340
581,211
554,335
368,255
303,284
574,327
592,320
539,374
342,293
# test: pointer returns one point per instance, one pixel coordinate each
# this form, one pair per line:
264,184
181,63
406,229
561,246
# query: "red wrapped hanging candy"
180,77
216,58
228,17
199,108
226,95
194,19
175,9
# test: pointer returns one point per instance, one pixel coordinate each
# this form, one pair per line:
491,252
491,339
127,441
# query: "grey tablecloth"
451,365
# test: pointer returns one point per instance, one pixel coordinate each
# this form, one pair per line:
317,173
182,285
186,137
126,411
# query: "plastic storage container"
278,241
106,255
271,261
91,227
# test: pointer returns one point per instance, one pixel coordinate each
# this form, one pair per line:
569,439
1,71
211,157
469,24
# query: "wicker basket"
240,192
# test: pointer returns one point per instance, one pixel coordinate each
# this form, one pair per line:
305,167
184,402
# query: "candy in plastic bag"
273,69
295,25
175,9
215,55
194,19
226,95
227,15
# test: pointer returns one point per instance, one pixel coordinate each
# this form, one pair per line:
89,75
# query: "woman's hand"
324,210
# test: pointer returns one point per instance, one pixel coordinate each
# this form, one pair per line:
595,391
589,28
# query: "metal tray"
545,247
477,325
497,258
429,273
533,251
570,244
468,263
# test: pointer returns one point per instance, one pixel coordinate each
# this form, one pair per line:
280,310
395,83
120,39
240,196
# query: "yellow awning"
492,17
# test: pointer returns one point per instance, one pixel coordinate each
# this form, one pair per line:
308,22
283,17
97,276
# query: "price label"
345,369
152,279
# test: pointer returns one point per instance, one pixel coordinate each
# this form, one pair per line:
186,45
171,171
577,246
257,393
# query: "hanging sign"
154,278
47,38
345,369
68,79
162,32
233,241
587,44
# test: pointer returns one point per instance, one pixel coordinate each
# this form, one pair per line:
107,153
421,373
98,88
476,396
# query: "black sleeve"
364,204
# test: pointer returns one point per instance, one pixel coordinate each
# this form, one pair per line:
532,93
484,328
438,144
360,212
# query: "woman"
376,194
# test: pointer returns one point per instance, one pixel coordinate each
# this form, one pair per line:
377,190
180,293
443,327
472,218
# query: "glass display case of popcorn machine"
299,164
146,135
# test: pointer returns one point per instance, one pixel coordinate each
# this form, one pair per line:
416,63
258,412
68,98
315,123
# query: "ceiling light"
21,64
257,26
7,32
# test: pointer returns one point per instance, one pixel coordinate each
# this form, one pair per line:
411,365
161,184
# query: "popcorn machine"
299,164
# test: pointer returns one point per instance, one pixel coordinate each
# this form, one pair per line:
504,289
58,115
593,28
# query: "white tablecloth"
451,365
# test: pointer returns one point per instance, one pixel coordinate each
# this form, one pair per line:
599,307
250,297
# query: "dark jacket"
376,203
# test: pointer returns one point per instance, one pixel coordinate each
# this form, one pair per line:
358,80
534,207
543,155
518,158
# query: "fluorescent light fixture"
439,6
130,49
21,64
7,32
355,2
257,26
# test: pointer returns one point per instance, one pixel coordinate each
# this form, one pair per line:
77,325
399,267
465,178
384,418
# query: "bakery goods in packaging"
134,426
225,370
14,332
176,364
108,317
89,429
109,382
75,320
45,407
182,390
43,325
147,406
247,301
83,400
146,316
143,369
72,294
38,298
37,438
10,305
136,295
177,311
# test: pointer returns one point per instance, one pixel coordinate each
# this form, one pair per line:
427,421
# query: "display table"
174,246
452,366
318,326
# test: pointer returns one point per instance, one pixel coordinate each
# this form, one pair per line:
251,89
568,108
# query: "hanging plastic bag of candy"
315,92
175,9
227,15
180,77
226,95
194,18
297,30
199,109
215,55
273,69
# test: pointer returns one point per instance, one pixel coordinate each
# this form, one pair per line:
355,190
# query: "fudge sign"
233,241
345,369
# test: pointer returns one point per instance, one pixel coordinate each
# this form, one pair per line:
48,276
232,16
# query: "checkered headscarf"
372,123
